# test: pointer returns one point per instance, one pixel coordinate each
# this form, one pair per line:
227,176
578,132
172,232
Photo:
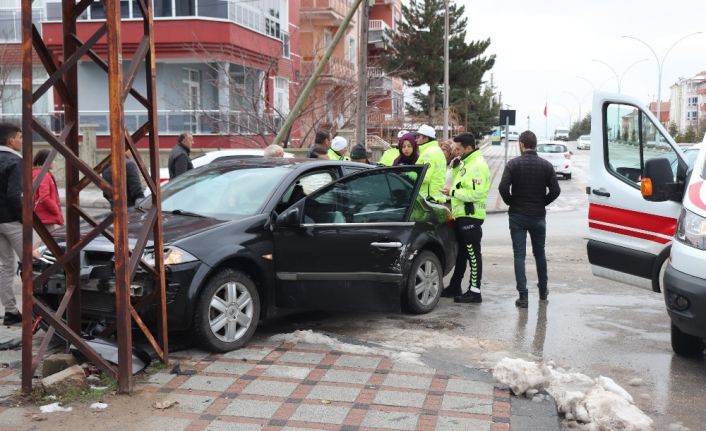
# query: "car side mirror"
289,218
657,183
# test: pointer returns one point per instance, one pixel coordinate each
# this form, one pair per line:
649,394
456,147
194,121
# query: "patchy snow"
311,337
597,404
678,427
635,382
53,408
99,406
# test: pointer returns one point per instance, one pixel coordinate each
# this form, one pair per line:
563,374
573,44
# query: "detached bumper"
689,319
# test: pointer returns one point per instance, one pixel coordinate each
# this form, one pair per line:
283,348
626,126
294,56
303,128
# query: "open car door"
629,237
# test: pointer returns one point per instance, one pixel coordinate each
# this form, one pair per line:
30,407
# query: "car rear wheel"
686,345
424,283
227,311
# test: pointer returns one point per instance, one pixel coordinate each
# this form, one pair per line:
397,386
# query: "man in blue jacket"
10,217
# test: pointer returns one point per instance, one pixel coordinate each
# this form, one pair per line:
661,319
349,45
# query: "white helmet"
427,130
339,143
401,133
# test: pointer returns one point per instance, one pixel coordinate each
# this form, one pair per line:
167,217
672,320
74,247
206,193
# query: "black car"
244,239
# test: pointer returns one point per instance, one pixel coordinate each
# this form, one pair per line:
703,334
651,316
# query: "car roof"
293,163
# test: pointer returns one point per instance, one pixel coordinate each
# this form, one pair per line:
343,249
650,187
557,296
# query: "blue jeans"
520,225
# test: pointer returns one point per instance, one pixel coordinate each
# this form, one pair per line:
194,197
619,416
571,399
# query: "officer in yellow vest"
468,192
339,149
391,154
431,154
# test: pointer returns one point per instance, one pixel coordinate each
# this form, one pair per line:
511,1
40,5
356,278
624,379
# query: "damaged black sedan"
247,239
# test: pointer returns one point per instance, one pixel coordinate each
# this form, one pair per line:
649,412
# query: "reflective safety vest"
389,156
470,185
431,154
333,155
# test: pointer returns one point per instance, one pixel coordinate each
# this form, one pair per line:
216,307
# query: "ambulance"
647,213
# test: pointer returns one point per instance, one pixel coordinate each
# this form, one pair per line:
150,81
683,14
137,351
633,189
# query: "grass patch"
107,386
155,367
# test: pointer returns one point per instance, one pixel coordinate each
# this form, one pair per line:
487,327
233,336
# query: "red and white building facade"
688,103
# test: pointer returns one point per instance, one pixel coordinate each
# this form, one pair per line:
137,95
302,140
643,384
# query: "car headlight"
691,230
172,256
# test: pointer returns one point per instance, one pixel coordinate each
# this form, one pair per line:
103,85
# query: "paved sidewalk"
286,386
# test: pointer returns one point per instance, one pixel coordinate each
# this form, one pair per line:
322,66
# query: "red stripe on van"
633,219
631,233
695,195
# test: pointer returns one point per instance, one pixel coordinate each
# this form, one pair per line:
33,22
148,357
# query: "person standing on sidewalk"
10,217
430,153
179,160
468,193
528,185
135,191
47,205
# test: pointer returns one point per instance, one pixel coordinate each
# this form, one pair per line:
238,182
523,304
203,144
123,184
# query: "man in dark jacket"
179,161
134,185
528,185
10,217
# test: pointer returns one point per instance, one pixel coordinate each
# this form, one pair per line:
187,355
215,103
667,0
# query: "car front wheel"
227,311
685,344
424,283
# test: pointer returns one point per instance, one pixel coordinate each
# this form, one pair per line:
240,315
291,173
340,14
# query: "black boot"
522,301
12,318
450,292
469,297
543,293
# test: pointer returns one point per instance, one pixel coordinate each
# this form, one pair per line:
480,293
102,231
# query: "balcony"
379,83
336,71
377,34
332,11
11,23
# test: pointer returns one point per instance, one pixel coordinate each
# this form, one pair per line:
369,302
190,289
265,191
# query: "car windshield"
225,193
551,148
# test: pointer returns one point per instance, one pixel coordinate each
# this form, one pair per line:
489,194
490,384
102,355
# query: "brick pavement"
273,386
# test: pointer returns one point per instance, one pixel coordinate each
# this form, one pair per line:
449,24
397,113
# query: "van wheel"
424,283
684,344
227,312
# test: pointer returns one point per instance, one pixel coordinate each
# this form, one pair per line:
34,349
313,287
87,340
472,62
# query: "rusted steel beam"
120,226
46,236
138,160
103,65
135,63
139,248
71,61
145,330
81,8
48,61
98,169
45,168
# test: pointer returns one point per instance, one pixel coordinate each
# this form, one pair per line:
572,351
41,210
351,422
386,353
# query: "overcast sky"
544,46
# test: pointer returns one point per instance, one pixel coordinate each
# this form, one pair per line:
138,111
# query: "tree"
673,130
579,128
418,56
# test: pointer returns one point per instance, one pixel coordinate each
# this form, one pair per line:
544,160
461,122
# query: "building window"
285,45
351,49
192,84
328,38
691,115
282,96
692,101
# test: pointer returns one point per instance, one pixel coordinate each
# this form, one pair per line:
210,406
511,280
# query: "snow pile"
596,404
311,337
53,408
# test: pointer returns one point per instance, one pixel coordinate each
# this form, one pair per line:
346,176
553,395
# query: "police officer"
468,193
339,149
391,154
430,153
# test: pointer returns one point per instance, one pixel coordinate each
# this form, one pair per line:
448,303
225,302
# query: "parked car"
246,239
584,142
221,156
514,136
559,156
561,135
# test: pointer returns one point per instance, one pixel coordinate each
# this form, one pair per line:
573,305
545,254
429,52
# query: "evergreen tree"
416,53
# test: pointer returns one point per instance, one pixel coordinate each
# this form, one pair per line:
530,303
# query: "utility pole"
362,112
446,69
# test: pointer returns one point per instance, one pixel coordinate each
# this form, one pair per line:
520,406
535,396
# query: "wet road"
589,325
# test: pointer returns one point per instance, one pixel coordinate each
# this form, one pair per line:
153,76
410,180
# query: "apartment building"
688,103
224,68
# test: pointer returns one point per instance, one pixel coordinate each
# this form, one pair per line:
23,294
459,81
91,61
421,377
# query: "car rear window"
551,148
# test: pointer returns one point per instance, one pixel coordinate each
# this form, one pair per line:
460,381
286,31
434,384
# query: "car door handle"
386,244
601,192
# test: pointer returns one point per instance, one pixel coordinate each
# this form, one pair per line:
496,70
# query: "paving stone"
302,357
391,420
445,423
340,376
333,393
467,405
469,387
402,399
270,388
403,381
192,403
322,414
15,416
229,368
406,367
164,423
208,383
252,354
301,429
251,408
287,372
358,361
195,355
7,390
231,426
160,378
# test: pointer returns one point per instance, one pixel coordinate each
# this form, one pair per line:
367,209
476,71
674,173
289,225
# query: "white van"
561,135
656,241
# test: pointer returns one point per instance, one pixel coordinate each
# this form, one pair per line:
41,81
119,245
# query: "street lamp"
619,78
446,69
660,67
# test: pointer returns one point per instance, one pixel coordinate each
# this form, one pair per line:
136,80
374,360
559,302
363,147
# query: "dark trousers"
520,226
468,234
